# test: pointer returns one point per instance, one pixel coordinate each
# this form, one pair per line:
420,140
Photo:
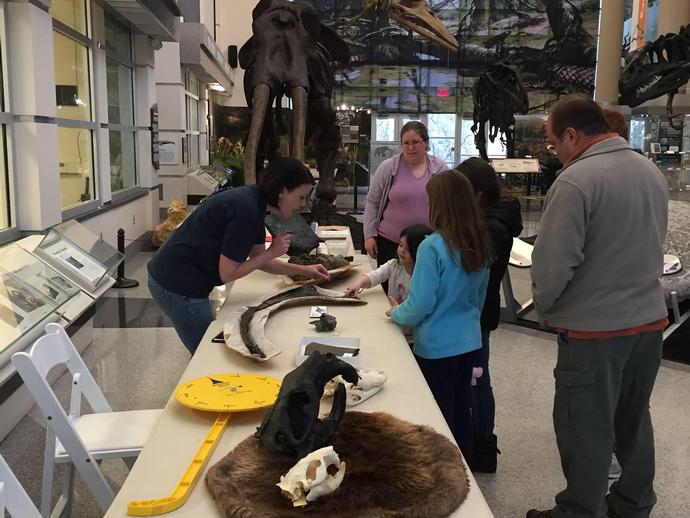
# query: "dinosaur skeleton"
415,15
498,95
245,331
659,68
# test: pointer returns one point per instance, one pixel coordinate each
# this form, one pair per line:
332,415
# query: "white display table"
180,430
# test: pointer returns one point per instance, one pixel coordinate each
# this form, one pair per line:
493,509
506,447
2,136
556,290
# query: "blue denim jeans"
190,317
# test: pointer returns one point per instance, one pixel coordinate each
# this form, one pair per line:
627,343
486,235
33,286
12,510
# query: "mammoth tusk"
245,330
299,121
260,98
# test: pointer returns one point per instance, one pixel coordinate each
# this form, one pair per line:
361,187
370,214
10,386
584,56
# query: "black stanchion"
121,281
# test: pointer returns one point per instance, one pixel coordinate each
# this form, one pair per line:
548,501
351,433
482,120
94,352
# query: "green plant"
227,154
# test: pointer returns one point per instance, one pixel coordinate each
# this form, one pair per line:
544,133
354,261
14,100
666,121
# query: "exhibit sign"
516,165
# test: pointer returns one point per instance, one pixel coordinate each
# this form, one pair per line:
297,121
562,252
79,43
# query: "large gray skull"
292,426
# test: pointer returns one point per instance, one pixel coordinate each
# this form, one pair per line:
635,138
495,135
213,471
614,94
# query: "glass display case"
31,293
79,255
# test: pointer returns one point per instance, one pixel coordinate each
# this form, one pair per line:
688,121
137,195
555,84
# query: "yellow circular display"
228,392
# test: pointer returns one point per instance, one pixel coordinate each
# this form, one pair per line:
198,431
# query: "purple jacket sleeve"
375,198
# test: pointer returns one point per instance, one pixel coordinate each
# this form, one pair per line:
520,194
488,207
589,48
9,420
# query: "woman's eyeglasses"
413,143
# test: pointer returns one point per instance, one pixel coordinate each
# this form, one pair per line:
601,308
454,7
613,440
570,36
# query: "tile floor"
137,360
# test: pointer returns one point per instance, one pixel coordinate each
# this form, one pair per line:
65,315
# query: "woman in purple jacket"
397,194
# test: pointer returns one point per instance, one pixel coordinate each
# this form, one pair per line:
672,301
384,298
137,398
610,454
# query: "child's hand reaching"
356,287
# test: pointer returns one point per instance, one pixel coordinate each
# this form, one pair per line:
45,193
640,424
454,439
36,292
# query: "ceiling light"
216,86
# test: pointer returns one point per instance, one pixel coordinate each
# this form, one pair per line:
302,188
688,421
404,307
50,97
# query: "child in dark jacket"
504,222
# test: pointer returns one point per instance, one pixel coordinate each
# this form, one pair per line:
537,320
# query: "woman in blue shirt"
447,293
212,245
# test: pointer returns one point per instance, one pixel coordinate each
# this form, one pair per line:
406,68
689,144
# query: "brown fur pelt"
394,468
330,262
177,212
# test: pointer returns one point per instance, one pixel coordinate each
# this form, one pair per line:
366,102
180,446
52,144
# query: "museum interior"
345,258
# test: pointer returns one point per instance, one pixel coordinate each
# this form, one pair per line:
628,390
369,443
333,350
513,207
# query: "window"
5,205
441,127
193,134
121,129
385,129
72,48
450,136
467,147
70,12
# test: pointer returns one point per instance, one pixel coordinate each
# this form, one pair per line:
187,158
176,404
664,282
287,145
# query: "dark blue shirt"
228,223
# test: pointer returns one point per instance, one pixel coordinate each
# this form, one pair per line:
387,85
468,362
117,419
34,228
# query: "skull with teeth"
658,68
414,15
312,477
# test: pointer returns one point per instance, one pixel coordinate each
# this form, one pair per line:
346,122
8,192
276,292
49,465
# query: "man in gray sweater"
596,266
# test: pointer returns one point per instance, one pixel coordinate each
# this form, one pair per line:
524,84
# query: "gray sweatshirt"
598,257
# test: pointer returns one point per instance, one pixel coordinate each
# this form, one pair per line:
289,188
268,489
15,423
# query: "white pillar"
32,100
672,15
609,51
100,100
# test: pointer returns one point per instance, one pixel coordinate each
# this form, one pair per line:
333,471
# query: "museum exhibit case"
79,254
31,294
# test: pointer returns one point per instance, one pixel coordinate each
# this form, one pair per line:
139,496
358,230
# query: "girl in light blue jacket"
446,297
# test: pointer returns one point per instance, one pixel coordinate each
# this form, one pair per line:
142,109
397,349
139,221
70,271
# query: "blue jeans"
483,403
190,317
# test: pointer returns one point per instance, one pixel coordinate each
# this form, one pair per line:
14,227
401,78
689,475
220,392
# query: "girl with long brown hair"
447,293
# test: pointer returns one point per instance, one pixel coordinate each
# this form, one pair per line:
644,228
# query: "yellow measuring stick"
226,393
184,487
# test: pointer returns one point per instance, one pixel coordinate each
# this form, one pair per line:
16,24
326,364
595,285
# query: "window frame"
92,125
191,97
119,127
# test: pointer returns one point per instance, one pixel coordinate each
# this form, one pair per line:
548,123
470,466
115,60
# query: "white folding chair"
13,498
82,441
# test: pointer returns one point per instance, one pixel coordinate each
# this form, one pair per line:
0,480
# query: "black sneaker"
533,513
484,455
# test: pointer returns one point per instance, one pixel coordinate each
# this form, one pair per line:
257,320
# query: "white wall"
136,218
234,21
206,13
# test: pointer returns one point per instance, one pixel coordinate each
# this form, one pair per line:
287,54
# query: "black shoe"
533,513
484,455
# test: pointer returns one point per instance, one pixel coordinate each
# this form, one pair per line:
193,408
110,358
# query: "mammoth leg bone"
322,115
299,121
260,99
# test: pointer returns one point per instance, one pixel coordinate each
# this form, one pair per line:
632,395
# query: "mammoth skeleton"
290,54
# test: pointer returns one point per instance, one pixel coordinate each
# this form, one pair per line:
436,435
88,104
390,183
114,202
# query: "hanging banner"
641,24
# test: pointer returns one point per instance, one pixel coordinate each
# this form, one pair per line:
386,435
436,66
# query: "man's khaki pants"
602,396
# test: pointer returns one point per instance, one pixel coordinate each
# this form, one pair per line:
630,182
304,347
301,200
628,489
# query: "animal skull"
309,478
292,426
369,384
415,15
